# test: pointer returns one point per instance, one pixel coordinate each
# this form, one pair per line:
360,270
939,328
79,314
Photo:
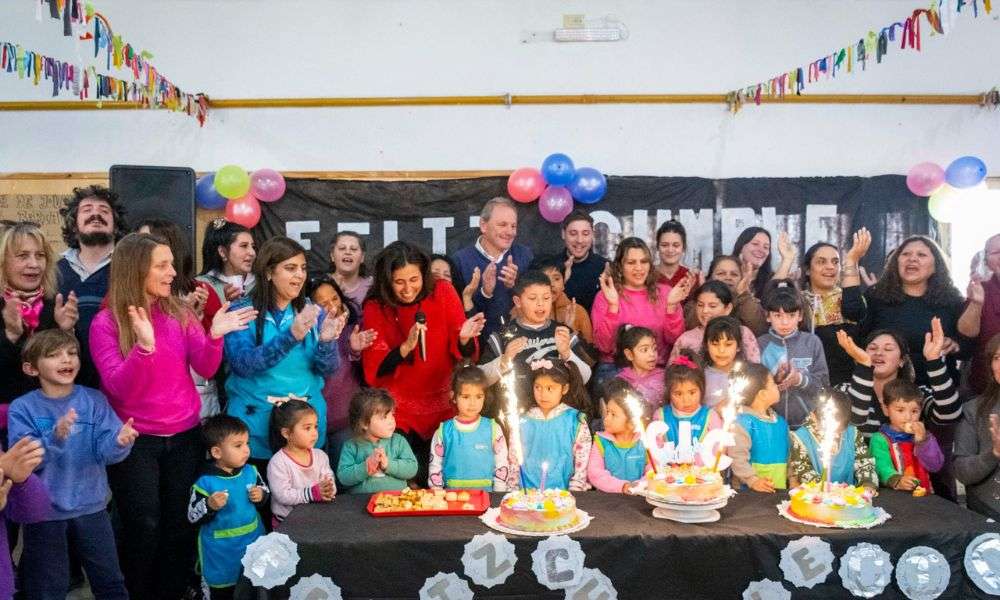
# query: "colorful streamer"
149,88
872,46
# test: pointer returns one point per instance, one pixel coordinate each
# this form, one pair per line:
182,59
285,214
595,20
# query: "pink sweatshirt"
292,483
634,308
598,474
694,339
155,388
650,386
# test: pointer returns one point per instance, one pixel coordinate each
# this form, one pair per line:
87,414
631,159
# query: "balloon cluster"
556,185
239,192
946,188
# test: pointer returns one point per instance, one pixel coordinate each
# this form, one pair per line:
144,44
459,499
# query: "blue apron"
551,441
842,469
623,462
699,423
223,540
768,447
468,455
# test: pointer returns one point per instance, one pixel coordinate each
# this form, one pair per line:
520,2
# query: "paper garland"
871,47
149,89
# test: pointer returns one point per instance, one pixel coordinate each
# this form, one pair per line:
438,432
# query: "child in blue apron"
469,451
851,462
554,431
618,456
760,456
685,394
224,503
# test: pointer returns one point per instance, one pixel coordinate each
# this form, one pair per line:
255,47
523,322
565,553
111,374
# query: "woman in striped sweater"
885,358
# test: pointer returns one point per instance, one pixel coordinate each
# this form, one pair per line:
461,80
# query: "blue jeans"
44,565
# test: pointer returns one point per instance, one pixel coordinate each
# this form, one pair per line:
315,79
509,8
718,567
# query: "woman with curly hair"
915,287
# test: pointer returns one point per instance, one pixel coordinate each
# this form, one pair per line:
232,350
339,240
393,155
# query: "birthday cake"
538,511
839,504
685,483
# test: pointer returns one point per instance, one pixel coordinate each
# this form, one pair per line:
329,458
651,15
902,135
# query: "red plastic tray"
480,499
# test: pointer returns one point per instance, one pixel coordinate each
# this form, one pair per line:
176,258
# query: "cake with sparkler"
685,483
538,511
838,504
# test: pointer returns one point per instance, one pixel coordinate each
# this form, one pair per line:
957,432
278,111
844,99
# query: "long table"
644,557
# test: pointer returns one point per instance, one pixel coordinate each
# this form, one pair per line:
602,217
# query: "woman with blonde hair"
145,343
29,304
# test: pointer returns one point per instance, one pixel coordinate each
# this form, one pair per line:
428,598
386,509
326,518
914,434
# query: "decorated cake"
685,483
534,510
840,504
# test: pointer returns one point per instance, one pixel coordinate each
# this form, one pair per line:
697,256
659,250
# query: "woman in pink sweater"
144,344
630,296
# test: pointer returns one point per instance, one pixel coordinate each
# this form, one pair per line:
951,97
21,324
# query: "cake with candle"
838,504
685,483
538,511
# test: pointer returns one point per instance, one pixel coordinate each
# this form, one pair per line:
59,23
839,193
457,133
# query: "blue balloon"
206,194
588,186
557,169
965,172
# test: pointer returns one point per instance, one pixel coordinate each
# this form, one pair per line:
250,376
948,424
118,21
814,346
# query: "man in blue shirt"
495,261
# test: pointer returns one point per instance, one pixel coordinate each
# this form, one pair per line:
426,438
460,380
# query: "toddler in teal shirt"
377,458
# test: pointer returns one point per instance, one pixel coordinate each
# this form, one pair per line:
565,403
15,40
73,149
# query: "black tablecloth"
643,556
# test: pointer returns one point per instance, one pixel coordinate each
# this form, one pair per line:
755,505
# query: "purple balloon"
267,185
924,179
555,203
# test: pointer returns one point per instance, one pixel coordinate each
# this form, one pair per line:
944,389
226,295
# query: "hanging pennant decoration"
148,88
867,51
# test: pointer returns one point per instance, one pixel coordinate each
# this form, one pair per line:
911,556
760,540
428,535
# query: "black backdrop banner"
442,215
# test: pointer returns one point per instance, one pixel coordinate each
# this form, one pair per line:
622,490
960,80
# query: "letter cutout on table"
315,587
865,570
489,559
445,586
806,561
270,560
982,562
765,589
558,562
922,573
594,585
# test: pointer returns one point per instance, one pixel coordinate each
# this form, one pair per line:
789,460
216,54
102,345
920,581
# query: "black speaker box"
157,192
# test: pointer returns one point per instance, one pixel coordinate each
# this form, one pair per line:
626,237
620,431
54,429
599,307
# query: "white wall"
262,48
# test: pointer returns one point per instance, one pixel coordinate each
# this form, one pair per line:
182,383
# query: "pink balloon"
555,203
925,178
267,185
243,211
525,184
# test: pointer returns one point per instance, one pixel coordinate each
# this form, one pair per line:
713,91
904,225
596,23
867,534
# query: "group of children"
776,432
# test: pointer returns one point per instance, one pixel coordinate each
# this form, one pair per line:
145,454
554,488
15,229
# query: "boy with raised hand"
81,436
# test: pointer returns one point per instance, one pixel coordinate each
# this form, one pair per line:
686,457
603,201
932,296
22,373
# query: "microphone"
421,318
